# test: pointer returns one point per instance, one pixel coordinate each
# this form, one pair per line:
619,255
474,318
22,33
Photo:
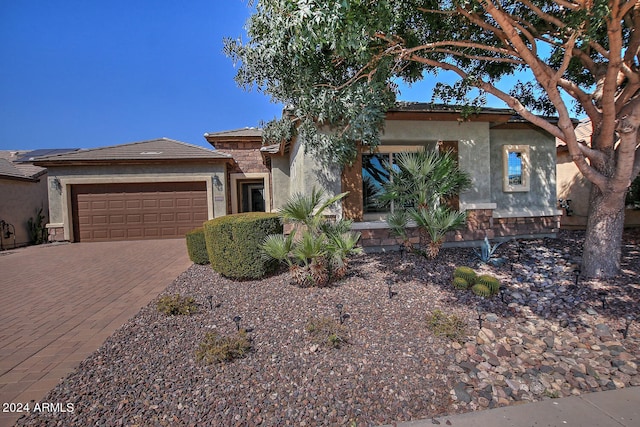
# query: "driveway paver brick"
61,301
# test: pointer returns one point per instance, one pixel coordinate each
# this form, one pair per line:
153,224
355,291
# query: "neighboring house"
511,162
153,189
573,186
23,192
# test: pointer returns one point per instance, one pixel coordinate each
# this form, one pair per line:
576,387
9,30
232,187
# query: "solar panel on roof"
31,155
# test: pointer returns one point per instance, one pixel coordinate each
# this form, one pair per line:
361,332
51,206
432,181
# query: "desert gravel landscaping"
548,339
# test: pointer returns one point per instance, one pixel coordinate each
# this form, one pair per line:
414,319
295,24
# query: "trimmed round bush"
197,246
234,244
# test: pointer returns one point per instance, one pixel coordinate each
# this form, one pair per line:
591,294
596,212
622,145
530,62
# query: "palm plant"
321,252
417,189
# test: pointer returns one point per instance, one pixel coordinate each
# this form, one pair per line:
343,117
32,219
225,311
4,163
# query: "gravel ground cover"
549,338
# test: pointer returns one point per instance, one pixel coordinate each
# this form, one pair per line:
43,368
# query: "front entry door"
252,196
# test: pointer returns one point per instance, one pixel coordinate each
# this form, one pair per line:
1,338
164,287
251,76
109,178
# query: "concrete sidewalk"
603,409
61,301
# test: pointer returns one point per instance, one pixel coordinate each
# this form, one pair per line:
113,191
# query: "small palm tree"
418,188
320,254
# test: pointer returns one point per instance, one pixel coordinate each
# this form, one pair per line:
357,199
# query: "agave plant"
320,252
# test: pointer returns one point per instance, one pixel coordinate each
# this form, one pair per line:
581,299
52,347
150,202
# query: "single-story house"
575,188
23,192
511,162
160,188
163,188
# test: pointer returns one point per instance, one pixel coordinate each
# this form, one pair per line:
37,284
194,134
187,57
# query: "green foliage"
197,246
450,326
173,305
216,349
418,187
466,273
460,283
481,290
492,283
424,179
336,64
319,254
327,331
36,228
234,244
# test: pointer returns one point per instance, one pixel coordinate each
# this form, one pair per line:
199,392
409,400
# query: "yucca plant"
316,252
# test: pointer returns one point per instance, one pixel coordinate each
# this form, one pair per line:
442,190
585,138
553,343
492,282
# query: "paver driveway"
58,304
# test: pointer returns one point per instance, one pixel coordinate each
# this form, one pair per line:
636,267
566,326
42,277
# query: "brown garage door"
103,212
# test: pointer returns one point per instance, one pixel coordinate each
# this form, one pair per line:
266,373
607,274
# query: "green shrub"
450,326
197,246
481,290
460,283
216,349
490,282
234,241
177,304
327,331
466,273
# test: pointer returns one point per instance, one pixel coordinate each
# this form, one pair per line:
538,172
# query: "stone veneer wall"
480,223
248,159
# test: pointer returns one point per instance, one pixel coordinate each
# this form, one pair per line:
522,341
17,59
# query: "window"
375,173
515,168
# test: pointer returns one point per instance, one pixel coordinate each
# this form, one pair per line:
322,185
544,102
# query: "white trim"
526,168
472,206
235,177
524,213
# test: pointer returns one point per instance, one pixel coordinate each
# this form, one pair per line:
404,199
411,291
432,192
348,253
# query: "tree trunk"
603,239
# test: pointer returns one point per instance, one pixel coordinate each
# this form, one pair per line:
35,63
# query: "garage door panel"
149,203
137,211
166,203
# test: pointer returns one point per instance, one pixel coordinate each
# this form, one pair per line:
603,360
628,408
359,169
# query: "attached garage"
157,189
105,212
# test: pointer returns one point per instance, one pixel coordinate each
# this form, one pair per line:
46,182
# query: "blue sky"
94,73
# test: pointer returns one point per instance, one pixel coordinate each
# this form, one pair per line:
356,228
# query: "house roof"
236,133
12,168
583,133
155,149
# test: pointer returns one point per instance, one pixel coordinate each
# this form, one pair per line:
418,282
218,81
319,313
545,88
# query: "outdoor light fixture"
479,310
210,299
402,248
503,291
237,320
57,185
603,299
627,322
342,317
389,285
577,273
217,182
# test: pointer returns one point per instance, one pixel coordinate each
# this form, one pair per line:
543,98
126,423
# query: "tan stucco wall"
19,201
473,149
60,195
571,184
306,172
280,181
541,198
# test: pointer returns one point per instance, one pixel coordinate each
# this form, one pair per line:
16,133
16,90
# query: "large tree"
335,64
